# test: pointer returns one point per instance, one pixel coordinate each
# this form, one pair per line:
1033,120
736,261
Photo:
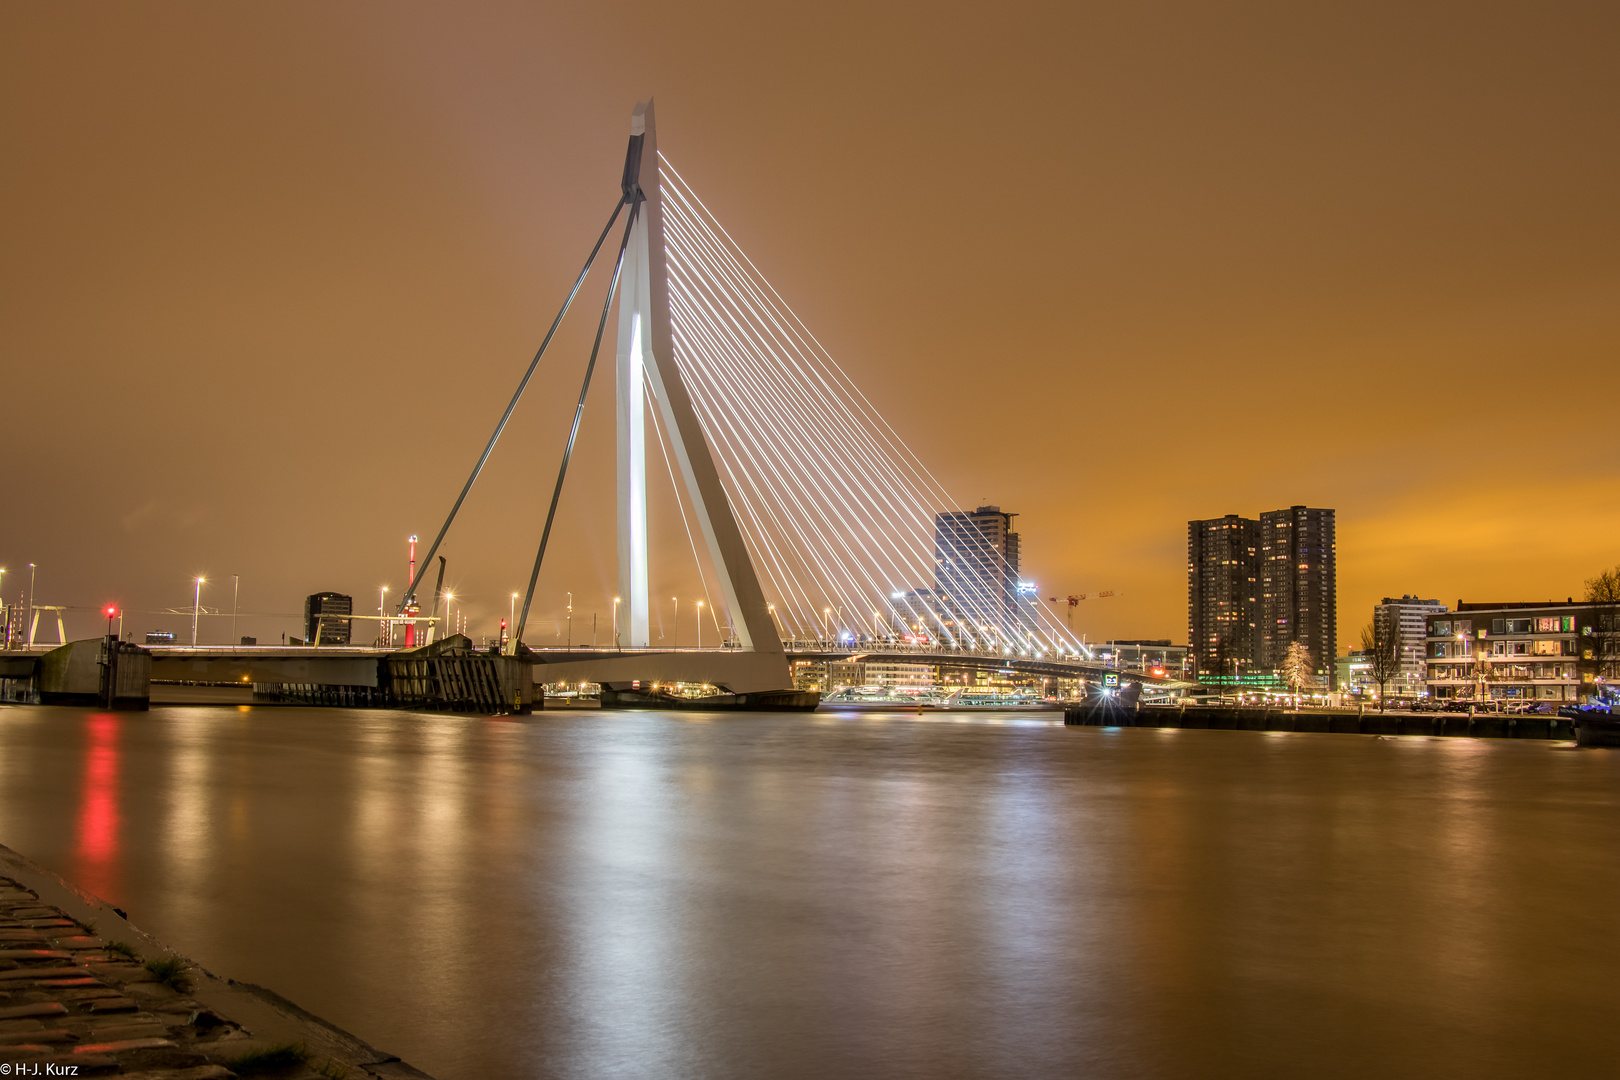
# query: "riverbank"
1321,721
85,993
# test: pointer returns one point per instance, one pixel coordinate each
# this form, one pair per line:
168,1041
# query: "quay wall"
1325,721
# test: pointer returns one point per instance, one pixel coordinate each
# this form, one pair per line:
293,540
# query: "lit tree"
1383,650
1297,668
1599,645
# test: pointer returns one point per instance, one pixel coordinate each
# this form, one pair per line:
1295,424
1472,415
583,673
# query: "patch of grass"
171,972
124,949
283,1057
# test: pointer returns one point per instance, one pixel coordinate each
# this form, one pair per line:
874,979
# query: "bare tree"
1598,650
1383,650
1297,668
1605,588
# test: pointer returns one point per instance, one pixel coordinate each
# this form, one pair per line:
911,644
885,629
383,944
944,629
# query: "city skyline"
210,252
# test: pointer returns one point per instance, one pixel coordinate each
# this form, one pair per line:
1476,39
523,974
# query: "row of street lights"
29,609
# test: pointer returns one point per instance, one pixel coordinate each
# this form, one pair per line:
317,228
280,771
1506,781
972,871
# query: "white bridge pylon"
646,356
766,430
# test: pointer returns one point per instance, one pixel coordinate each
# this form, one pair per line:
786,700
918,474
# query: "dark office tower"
976,561
1298,589
1221,578
334,631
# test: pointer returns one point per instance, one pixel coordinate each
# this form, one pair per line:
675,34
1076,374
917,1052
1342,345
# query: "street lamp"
448,597
570,620
615,622
700,624
826,624
511,621
196,609
236,592
1462,640
382,616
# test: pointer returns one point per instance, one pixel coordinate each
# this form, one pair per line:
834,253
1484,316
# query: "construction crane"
1073,601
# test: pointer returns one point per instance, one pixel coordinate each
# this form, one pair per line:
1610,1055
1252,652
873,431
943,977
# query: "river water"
602,895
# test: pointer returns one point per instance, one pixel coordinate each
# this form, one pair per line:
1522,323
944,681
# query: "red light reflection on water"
98,808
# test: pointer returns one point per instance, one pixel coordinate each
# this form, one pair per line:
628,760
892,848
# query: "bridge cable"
579,410
751,359
507,415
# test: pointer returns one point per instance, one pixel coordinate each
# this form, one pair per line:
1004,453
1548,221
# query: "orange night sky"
271,271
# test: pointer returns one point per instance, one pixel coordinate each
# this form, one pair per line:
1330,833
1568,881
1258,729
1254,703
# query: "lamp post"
236,592
382,616
615,622
29,614
196,609
1462,640
570,620
826,624
700,624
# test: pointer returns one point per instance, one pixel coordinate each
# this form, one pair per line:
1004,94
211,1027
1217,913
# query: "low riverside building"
1156,656
1506,651
892,676
1355,675
842,673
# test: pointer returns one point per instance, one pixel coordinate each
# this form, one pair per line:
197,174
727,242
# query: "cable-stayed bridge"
817,531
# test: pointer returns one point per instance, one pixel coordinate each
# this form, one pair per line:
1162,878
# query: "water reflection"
99,818
595,895
191,847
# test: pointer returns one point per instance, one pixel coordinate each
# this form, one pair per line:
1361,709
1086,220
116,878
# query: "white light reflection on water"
590,895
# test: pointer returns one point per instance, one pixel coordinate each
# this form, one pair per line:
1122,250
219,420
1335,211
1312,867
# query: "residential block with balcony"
1506,651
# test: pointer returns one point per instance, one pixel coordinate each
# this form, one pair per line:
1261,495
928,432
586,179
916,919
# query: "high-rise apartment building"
1221,595
976,561
1256,587
1405,620
1299,589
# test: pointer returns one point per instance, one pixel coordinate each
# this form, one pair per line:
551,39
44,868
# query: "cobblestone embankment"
84,993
